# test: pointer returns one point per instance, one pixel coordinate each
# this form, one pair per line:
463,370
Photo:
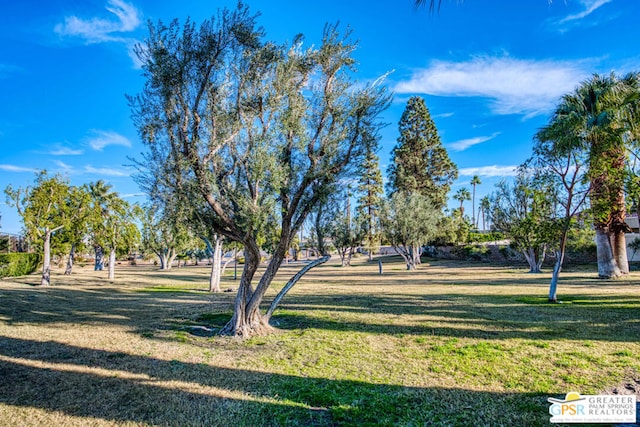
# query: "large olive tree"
259,131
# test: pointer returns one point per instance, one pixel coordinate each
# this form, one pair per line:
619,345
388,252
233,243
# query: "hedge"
18,264
485,237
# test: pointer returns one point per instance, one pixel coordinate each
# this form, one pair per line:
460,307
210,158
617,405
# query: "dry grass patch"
454,344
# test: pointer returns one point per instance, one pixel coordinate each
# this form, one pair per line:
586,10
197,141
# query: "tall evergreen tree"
371,191
420,164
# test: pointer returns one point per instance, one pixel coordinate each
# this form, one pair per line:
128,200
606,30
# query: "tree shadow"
611,318
592,317
120,387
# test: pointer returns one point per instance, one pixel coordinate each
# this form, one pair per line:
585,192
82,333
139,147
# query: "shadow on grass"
605,318
120,387
144,311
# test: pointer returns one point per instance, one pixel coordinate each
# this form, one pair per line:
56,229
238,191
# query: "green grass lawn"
452,344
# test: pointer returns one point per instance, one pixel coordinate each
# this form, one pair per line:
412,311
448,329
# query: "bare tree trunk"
72,255
224,266
532,260
557,268
214,277
46,262
541,259
162,258
345,256
171,258
112,263
166,258
247,319
408,255
214,280
607,266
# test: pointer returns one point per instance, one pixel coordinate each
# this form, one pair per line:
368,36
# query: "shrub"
471,252
485,237
18,264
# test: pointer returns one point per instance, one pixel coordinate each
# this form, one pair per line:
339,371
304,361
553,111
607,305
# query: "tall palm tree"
101,195
485,205
594,118
474,181
462,195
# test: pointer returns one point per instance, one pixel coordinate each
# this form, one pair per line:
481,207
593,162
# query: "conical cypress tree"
420,164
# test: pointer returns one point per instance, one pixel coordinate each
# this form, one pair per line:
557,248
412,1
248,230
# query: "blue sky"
490,72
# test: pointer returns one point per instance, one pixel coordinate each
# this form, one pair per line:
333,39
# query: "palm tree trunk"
473,207
607,266
620,251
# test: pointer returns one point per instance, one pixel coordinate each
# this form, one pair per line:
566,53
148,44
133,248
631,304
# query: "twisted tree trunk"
72,255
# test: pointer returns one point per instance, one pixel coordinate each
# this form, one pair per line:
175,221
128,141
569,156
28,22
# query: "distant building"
634,225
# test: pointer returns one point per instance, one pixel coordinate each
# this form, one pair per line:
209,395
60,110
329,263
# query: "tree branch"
292,282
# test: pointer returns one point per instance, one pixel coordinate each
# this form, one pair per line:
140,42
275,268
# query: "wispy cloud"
463,144
132,195
489,171
65,168
125,18
60,150
513,86
13,168
99,30
443,115
106,171
100,139
589,7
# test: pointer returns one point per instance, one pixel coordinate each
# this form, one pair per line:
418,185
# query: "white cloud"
463,144
98,30
489,171
101,139
13,168
514,86
65,151
589,6
106,171
443,115
133,195
64,168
